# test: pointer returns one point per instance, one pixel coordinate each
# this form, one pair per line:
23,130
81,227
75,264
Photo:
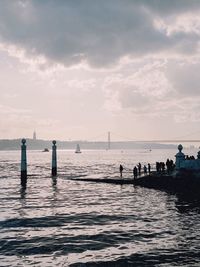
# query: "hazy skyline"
78,69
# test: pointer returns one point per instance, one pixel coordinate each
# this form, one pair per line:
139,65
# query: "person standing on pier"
162,167
168,165
149,168
139,168
135,172
121,170
145,169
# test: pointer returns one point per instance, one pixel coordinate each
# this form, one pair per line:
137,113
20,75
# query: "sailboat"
78,150
45,150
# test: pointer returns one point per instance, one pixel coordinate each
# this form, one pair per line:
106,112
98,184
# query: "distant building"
34,135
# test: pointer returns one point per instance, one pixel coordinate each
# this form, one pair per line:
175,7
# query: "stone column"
23,163
180,157
54,159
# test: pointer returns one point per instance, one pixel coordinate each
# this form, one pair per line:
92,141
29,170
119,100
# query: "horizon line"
105,141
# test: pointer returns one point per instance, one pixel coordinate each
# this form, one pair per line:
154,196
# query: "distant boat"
78,150
45,150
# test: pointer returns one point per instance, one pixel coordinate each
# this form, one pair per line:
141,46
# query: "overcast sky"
76,69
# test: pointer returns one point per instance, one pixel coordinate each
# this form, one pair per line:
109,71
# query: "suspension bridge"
113,137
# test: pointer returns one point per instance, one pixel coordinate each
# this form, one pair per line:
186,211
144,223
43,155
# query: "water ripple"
57,221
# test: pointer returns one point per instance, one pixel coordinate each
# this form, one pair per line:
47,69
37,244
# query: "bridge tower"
108,140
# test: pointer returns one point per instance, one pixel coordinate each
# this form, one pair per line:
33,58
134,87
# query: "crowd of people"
138,169
189,157
161,167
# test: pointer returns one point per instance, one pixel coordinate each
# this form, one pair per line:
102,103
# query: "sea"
58,221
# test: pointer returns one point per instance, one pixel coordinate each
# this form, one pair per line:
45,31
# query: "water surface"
58,221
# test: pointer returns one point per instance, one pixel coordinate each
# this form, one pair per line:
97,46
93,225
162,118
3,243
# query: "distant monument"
187,163
180,157
34,135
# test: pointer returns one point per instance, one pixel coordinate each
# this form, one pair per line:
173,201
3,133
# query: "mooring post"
54,159
23,163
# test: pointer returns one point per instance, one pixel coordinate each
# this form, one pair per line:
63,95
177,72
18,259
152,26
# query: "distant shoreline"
15,144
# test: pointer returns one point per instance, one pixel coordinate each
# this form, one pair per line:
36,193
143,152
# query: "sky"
76,69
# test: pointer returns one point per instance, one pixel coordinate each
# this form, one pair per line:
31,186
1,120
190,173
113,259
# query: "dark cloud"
100,32
169,8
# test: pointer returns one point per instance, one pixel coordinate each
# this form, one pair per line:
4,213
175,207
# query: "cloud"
99,63
158,89
138,90
97,32
6,110
184,77
164,8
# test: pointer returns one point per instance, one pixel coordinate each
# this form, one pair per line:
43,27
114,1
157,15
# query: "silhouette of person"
168,165
162,166
135,172
139,168
149,168
145,169
157,166
121,170
171,165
